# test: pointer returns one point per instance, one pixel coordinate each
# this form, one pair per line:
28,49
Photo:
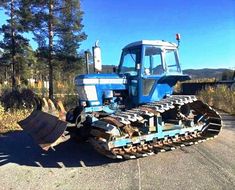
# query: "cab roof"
152,42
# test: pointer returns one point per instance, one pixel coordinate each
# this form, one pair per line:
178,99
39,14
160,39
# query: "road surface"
208,165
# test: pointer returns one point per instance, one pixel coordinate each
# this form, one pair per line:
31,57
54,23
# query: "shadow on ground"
228,121
18,147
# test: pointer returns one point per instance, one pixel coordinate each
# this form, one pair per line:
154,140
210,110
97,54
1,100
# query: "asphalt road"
208,165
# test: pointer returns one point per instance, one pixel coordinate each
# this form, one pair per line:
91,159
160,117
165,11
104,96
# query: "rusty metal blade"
45,129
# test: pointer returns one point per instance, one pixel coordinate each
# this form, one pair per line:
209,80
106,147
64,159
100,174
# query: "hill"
194,73
206,73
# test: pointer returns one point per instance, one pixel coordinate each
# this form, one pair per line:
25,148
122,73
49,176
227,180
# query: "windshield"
129,60
153,61
158,60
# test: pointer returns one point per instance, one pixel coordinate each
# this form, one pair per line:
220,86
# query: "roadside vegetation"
221,97
15,105
57,30
46,69
9,119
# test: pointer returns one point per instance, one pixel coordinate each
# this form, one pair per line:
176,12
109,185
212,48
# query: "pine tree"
56,26
70,36
13,43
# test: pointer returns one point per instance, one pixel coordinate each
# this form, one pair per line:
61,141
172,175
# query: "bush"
18,99
28,98
9,119
221,97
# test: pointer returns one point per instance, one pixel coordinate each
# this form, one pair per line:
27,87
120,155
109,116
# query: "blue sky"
207,28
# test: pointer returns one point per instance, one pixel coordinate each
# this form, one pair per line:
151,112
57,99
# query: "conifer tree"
13,43
56,26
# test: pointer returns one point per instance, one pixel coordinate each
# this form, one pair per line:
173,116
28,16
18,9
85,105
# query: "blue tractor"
132,112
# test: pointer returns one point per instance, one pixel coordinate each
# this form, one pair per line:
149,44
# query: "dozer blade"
46,129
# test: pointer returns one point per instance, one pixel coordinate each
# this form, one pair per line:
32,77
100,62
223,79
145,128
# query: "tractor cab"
152,68
149,57
147,72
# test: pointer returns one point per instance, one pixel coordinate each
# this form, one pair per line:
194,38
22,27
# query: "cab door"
129,66
152,70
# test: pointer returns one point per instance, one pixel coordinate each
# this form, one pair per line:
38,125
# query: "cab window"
153,61
129,61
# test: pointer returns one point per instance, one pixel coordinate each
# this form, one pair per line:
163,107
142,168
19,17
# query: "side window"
130,58
170,58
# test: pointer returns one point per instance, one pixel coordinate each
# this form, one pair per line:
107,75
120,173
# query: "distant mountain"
206,73
108,68
194,73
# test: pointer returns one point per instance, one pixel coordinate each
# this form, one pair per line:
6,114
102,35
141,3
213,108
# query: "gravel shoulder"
210,165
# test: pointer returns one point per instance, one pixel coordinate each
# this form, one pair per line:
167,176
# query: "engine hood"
93,87
100,76
95,79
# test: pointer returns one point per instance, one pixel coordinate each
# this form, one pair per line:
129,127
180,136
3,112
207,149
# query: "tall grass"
18,104
221,97
9,119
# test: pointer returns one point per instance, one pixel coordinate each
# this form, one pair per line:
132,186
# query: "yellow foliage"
221,97
1,111
60,84
40,85
8,120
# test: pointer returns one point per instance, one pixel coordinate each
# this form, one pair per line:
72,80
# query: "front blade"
47,130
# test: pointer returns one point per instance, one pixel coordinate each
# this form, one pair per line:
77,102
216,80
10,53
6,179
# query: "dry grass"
220,97
201,80
9,119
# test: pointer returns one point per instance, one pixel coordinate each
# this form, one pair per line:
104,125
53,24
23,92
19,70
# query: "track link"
144,121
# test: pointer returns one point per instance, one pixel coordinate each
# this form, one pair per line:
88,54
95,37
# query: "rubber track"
211,127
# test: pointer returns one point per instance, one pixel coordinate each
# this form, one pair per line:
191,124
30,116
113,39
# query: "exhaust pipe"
87,61
97,58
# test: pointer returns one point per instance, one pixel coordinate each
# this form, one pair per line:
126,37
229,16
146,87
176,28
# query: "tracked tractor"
132,112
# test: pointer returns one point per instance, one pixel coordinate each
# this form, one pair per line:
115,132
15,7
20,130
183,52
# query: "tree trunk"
13,46
6,76
50,30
